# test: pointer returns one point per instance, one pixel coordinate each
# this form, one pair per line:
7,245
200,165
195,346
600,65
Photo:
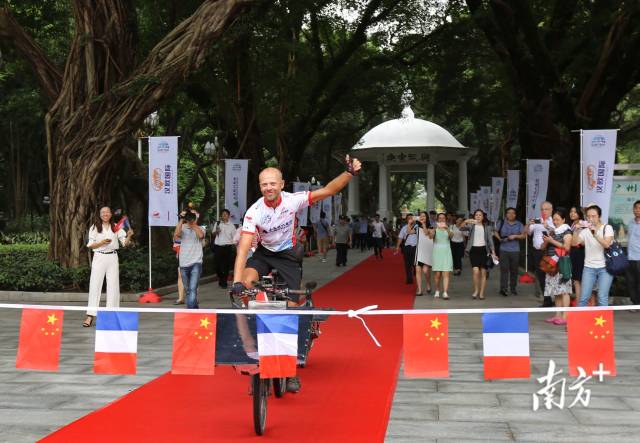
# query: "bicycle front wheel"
260,392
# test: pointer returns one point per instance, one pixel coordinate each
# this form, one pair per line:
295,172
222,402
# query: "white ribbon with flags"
163,181
513,186
537,184
497,188
314,212
598,157
303,213
235,188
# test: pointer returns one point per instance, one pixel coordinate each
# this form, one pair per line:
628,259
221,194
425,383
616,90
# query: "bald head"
271,183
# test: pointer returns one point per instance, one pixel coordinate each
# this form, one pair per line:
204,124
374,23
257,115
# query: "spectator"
479,247
378,231
457,245
322,235
408,237
442,258
558,243
596,237
190,256
633,271
424,254
432,219
536,228
342,238
387,232
509,232
223,247
577,252
104,240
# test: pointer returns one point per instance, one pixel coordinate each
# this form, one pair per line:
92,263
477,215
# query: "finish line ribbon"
356,314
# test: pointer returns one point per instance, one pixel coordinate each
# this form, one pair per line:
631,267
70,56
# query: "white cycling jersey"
275,223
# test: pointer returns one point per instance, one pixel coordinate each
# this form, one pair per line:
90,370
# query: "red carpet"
347,386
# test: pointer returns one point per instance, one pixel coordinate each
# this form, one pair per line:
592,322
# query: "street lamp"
213,149
151,121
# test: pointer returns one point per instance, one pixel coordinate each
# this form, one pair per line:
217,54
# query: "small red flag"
40,338
426,345
194,344
591,342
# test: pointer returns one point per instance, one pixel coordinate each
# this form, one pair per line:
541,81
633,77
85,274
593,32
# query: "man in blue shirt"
633,250
509,232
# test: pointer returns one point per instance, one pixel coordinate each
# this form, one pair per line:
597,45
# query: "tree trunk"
103,98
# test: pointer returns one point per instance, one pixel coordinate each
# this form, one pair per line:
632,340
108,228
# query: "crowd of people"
567,252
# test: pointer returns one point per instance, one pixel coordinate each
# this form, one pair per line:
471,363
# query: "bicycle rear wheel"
279,386
260,392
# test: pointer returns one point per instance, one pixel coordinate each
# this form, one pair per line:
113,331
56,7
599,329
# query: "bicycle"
237,345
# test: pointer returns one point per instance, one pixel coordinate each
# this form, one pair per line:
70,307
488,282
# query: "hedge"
26,268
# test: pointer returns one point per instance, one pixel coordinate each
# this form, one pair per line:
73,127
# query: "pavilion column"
353,196
463,204
383,194
389,200
431,186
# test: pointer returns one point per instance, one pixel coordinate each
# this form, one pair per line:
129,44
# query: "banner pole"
150,296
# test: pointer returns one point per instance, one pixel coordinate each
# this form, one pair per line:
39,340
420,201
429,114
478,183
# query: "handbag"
548,265
564,268
616,261
490,264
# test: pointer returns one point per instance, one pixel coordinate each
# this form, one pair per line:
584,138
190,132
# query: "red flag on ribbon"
426,345
40,338
194,344
591,342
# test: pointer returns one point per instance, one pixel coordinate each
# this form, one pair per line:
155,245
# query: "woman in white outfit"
424,254
105,244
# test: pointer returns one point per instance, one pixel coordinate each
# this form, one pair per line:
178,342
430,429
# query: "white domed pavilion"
409,144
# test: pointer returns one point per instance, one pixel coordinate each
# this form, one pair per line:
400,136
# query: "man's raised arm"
336,185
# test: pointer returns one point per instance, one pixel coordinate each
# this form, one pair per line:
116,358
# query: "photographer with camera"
537,228
104,240
190,256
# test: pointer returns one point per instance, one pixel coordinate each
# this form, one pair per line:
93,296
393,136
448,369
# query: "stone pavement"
459,409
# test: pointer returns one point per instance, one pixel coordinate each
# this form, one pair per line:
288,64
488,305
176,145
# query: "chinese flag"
194,344
426,345
40,337
591,341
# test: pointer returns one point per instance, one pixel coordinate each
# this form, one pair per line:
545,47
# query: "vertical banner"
235,188
473,203
163,181
497,187
303,213
314,212
337,206
485,199
327,206
537,184
513,185
598,158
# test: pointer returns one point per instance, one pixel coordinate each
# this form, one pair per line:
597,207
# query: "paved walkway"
461,408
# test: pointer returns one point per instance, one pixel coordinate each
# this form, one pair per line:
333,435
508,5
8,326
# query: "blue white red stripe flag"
116,342
277,345
505,338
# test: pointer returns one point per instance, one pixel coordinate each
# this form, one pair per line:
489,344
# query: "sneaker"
436,294
293,384
504,292
445,296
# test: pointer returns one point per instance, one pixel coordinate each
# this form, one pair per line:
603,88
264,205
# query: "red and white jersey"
275,223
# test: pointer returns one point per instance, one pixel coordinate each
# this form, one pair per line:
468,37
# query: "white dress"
424,249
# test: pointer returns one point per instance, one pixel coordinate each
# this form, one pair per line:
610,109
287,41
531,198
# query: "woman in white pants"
104,242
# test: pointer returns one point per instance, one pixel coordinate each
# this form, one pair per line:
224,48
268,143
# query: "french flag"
277,345
116,342
506,345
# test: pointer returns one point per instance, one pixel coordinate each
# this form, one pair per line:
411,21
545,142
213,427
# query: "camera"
188,216
418,224
537,220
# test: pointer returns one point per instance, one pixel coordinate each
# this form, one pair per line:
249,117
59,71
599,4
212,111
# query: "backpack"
616,261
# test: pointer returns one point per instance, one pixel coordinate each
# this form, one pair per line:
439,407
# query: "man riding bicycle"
273,219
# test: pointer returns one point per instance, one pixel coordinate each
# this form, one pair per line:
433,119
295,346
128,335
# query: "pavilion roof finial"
407,98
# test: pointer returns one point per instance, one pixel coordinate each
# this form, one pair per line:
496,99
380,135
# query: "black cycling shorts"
287,263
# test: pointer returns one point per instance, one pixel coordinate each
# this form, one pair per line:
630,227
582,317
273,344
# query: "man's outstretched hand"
353,165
